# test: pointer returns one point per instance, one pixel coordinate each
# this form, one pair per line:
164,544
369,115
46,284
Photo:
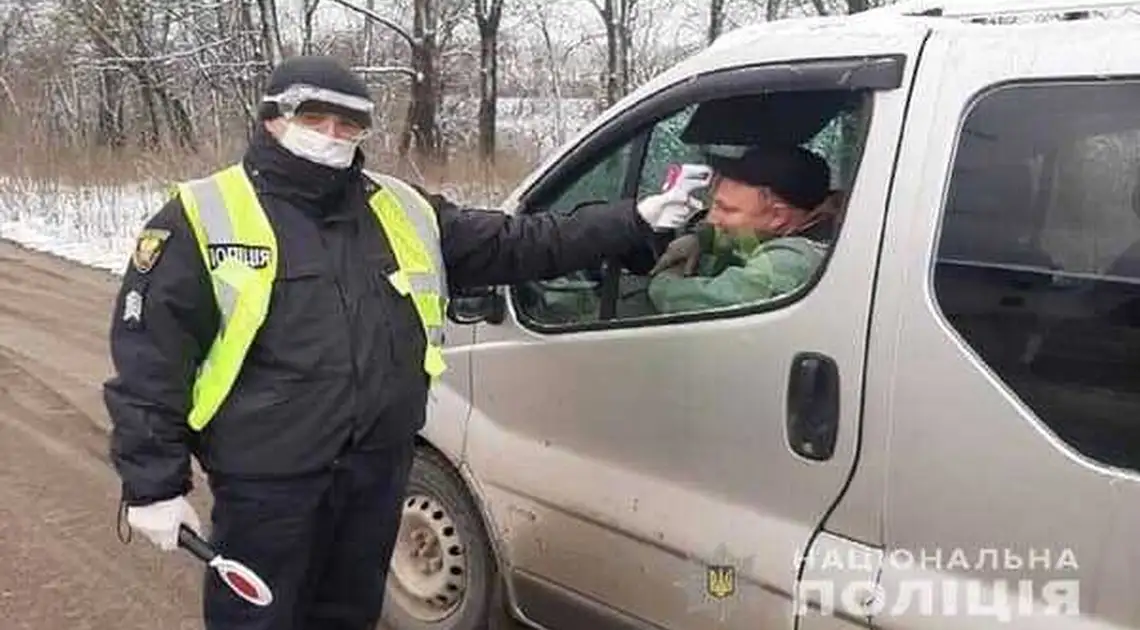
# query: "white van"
940,430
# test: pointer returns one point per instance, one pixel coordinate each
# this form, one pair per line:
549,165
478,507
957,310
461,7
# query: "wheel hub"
428,576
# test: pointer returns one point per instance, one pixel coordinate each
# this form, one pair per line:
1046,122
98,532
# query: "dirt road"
63,564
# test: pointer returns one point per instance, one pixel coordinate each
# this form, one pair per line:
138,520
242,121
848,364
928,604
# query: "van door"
1009,357
665,469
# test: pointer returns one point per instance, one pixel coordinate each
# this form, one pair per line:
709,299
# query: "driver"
765,233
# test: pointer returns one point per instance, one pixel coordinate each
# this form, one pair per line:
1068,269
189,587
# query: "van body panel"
618,468
449,402
614,464
972,474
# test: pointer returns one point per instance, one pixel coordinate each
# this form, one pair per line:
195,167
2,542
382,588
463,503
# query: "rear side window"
1038,262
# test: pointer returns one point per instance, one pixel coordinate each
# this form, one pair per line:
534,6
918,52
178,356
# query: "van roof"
974,9
903,23
938,15
981,18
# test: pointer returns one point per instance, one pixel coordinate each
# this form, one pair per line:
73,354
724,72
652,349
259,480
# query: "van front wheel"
442,573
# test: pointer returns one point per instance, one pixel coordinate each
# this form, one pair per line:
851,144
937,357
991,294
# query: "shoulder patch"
148,248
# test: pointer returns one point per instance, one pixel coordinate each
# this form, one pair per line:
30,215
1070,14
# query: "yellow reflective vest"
239,248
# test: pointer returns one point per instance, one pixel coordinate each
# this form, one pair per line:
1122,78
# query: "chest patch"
253,256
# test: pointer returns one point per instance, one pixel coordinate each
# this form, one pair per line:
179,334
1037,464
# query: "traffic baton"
241,579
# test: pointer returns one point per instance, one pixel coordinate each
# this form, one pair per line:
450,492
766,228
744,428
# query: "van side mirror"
472,306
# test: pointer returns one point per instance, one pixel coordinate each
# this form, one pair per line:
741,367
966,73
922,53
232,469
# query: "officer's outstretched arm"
164,318
484,247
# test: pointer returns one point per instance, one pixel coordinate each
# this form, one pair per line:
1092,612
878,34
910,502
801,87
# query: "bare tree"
716,19
488,16
556,56
309,11
148,78
820,7
270,31
421,125
772,10
155,56
8,28
368,34
616,16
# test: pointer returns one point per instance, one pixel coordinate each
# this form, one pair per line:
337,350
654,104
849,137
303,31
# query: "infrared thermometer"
686,178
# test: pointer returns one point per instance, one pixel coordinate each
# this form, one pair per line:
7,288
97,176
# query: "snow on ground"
110,254
95,226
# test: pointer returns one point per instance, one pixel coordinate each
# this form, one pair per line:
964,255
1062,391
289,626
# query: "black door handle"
813,406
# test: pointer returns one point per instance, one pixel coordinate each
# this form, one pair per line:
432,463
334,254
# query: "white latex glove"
663,212
673,207
159,521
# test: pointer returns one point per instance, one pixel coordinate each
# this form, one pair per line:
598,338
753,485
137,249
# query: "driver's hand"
684,251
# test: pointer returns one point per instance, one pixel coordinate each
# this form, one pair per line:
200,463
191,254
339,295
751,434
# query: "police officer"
280,322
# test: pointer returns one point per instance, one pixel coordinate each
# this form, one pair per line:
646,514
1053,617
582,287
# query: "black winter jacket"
338,362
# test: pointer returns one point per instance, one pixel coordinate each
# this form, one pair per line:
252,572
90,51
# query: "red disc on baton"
240,584
239,578
242,581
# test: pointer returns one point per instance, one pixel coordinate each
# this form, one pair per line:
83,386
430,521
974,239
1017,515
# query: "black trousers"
321,542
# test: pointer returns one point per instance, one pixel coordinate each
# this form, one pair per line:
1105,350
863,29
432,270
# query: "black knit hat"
797,175
317,71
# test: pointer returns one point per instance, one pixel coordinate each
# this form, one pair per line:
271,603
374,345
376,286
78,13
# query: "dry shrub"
88,203
41,165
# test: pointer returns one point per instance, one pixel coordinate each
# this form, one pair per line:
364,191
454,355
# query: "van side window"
666,147
573,298
1038,262
736,273
603,182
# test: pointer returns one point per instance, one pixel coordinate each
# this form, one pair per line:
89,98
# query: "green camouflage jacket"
739,272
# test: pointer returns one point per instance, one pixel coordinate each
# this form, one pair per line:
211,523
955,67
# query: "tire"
455,562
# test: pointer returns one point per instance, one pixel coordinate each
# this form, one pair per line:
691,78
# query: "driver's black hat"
797,175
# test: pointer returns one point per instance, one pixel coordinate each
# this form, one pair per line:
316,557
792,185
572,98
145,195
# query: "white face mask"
317,147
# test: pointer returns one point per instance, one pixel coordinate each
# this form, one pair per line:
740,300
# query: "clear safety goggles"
290,99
